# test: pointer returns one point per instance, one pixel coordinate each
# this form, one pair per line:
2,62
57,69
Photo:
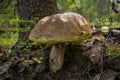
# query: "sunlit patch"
44,20
83,32
85,21
53,20
81,23
63,17
105,29
34,43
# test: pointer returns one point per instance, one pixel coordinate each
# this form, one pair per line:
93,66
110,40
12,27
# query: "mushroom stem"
56,57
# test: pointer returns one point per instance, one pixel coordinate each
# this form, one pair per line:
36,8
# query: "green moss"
113,51
76,40
112,57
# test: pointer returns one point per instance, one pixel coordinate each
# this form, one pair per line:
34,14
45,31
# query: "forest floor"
105,66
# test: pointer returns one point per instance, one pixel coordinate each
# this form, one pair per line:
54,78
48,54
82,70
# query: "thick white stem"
56,57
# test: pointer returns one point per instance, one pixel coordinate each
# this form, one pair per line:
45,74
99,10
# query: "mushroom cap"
65,27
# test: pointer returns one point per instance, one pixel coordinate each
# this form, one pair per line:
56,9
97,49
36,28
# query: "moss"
76,40
112,57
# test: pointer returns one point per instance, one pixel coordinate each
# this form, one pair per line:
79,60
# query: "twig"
88,66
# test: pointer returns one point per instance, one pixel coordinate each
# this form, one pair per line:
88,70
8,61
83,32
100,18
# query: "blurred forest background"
97,12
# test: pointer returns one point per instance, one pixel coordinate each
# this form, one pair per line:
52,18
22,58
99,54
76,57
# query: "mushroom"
59,29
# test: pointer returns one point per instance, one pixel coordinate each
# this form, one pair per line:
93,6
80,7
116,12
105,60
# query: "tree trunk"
34,9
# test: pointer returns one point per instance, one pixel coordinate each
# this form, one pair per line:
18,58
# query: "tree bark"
34,9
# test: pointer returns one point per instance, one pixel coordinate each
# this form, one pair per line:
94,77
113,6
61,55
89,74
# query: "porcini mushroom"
59,29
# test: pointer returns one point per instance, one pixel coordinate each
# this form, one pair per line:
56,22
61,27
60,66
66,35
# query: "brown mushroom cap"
66,27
